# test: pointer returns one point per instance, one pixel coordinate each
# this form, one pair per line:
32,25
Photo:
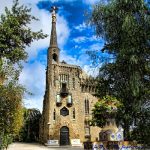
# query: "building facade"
68,99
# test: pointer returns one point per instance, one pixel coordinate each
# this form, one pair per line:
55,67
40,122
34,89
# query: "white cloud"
33,78
44,23
81,27
33,75
68,58
96,46
63,32
34,102
90,70
5,3
82,39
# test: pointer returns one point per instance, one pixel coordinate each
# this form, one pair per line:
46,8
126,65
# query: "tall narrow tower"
53,51
51,76
67,101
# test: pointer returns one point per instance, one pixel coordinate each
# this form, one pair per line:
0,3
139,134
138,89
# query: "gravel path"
36,146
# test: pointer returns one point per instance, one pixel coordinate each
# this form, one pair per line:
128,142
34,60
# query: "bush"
5,140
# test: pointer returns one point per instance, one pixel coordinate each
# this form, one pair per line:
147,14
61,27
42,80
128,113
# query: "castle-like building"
68,100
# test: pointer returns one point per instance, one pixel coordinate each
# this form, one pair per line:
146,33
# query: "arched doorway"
64,136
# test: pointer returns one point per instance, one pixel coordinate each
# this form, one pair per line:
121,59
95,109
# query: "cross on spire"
54,9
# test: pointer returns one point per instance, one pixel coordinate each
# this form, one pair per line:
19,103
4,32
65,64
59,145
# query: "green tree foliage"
30,130
15,36
142,123
103,109
125,26
11,119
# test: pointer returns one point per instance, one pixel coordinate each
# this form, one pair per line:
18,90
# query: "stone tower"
68,99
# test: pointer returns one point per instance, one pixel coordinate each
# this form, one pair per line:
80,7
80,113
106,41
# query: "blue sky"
74,37
82,36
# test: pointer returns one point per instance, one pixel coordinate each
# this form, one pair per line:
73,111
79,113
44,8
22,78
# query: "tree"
30,129
103,109
125,26
15,35
11,119
142,124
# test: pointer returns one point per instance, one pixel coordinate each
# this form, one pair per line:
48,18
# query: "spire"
53,39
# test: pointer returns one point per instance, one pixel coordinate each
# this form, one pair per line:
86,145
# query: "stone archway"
64,135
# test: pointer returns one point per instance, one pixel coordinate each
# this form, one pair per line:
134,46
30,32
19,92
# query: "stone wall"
73,78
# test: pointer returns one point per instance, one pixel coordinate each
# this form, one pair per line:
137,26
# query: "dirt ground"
36,146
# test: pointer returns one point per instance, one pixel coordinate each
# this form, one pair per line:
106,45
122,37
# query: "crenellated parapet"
89,85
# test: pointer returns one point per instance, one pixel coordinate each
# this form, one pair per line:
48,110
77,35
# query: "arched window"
86,106
73,113
54,115
55,58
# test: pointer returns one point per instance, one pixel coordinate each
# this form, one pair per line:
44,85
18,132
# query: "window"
64,86
64,78
64,111
58,99
69,100
74,113
55,57
64,89
54,115
86,106
87,128
73,83
87,131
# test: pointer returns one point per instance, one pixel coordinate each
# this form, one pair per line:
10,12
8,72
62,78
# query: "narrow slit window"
74,115
86,106
54,115
73,82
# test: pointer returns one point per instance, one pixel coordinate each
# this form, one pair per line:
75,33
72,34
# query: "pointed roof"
53,38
